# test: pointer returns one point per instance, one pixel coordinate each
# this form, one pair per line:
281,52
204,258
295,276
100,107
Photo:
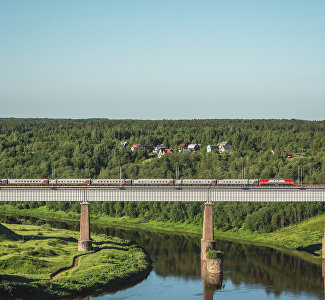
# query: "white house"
193,147
211,148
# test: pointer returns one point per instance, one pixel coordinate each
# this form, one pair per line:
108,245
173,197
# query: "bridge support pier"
207,236
323,246
84,242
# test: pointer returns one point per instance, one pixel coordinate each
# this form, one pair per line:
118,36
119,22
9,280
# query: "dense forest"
42,148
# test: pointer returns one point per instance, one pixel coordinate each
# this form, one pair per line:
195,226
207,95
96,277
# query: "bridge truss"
161,194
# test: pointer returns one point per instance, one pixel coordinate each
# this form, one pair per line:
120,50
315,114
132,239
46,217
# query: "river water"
250,272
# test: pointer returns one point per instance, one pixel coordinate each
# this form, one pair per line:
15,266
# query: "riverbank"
306,236
44,263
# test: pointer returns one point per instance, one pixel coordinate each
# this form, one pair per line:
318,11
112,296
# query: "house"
124,144
163,151
136,147
225,147
158,147
211,148
194,147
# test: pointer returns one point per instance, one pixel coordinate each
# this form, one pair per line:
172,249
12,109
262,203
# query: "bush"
213,254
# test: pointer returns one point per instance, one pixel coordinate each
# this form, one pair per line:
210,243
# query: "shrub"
213,254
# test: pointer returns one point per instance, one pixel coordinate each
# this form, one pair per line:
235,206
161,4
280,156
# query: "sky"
171,59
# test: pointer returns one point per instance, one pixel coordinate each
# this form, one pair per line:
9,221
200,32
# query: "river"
250,272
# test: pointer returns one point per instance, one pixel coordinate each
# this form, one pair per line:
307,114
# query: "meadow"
44,262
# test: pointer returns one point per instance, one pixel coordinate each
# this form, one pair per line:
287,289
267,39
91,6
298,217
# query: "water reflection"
178,256
323,274
210,282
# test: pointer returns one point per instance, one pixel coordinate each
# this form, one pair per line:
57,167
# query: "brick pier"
207,236
323,246
84,242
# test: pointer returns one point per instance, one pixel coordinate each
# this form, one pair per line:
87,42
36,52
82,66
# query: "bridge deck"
162,194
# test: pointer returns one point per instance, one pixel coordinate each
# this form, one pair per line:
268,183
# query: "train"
147,182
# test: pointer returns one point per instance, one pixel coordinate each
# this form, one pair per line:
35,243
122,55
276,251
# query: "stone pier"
323,246
84,242
208,235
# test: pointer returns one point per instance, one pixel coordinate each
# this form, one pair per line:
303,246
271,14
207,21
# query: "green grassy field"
27,265
306,236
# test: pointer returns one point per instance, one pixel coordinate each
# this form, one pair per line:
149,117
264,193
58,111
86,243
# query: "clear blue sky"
168,59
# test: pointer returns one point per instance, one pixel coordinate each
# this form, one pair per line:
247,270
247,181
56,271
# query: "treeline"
253,216
42,148
90,148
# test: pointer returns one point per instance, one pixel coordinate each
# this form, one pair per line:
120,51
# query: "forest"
62,148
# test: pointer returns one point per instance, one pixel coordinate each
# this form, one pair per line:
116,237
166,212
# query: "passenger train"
146,182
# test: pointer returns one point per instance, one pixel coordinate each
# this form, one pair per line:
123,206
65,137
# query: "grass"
306,236
29,263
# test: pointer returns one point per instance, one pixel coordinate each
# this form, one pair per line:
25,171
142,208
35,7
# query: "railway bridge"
206,195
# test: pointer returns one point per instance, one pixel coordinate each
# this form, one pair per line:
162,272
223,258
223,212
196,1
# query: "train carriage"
70,181
152,182
28,181
111,182
237,182
3,181
205,182
276,181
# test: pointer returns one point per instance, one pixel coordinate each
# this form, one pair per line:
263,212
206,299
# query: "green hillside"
305,236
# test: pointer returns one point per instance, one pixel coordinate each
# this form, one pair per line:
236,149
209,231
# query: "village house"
211,148
194,147
124,144
225,147
163,151
136,147
158,147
